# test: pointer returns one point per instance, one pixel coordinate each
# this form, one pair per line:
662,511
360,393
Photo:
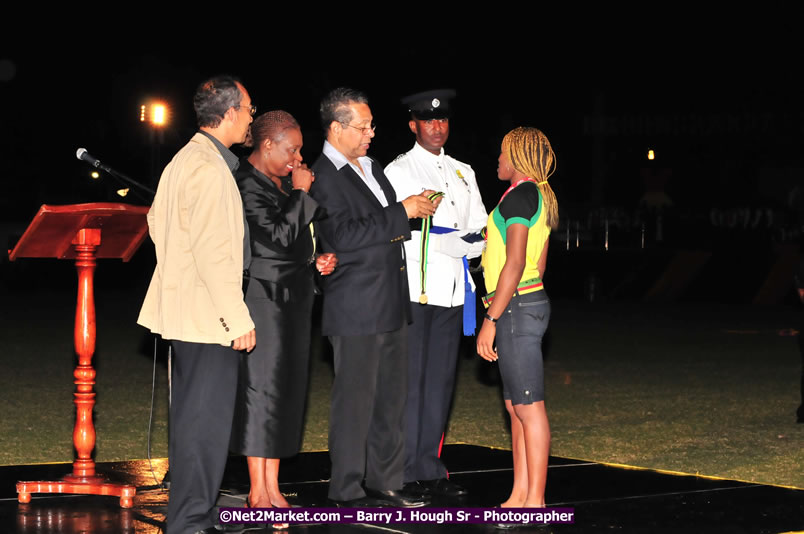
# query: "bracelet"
490,318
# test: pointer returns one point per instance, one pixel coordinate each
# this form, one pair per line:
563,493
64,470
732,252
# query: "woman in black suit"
274,185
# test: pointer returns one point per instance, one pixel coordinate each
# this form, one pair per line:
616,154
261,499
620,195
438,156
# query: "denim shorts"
519,347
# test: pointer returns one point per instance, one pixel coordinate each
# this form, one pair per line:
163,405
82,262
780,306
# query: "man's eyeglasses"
252,109
364,129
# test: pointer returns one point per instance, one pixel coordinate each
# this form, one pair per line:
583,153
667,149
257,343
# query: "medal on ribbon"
425,242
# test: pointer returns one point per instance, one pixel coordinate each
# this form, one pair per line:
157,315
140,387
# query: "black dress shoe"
398,498
443,487
531,526
360,502
414,489
217,529
230,527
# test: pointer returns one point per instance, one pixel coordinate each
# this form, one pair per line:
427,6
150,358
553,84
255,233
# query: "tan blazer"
196,224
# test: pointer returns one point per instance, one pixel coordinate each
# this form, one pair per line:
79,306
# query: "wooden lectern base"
91,486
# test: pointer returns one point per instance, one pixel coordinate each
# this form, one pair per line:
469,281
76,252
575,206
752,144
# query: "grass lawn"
691,387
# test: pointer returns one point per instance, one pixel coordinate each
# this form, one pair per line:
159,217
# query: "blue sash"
469,317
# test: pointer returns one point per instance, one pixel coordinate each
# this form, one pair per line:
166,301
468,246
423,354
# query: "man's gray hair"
214,97
335,106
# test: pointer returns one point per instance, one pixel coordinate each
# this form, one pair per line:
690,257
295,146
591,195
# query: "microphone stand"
122,178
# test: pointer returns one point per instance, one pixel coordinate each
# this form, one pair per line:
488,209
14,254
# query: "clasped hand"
326,263
302,177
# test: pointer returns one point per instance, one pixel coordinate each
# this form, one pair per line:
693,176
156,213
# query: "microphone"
82,154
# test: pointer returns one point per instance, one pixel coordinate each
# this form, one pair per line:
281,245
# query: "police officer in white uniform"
438,287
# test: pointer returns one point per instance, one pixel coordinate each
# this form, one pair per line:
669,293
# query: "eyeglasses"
364,129
252,109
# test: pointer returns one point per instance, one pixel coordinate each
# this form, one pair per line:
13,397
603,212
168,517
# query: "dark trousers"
366,424
201,410
433,342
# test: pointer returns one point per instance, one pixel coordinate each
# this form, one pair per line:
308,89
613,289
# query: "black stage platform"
605,498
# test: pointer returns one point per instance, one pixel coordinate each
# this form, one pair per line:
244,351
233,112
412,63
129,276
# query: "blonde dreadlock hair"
531,154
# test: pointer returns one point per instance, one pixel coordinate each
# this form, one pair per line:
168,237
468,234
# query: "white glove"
451,244
476,249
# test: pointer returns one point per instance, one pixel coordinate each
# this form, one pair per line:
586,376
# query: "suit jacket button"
226,329
221,319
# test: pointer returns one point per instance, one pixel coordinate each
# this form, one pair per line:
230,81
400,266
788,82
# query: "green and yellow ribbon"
424,244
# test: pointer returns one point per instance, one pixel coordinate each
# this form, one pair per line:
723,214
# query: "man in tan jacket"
195,299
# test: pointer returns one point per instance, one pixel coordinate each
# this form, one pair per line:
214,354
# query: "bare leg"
520,490
258,492
263,475
272,483
536,433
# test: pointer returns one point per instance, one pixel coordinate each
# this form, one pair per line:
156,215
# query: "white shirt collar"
339,160
364,171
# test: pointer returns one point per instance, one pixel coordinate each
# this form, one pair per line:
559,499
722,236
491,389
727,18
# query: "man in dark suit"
365,307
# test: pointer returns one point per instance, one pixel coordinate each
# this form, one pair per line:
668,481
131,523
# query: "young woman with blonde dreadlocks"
518,230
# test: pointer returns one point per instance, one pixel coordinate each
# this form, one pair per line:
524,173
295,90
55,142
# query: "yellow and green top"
521,204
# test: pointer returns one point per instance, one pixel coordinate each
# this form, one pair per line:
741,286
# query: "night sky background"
719,98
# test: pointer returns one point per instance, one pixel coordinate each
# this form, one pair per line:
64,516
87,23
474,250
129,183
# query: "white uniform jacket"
461,209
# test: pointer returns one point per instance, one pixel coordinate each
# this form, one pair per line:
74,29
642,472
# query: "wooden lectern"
83,232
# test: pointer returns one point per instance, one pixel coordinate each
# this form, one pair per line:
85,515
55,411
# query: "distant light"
122,192
94,175
155,113
158,114
651,155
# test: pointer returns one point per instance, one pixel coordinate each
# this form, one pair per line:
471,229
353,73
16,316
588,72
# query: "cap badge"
436,102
